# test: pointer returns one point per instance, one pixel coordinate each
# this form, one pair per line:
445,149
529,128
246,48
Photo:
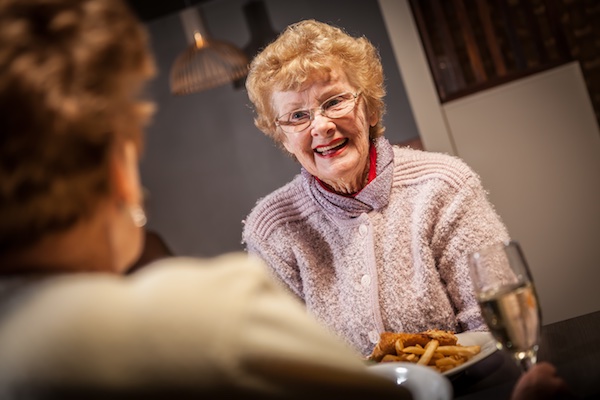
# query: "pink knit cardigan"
393,258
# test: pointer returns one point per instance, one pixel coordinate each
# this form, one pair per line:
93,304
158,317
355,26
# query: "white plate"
483,339
422,382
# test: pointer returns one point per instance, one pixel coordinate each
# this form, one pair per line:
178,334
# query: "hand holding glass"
506,294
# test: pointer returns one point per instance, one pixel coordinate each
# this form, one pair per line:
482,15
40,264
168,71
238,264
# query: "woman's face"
334,150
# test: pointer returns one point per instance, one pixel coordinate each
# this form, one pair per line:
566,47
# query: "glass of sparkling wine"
504,289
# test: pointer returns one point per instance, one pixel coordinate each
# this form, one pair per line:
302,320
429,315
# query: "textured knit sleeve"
271,230
467,223
278,256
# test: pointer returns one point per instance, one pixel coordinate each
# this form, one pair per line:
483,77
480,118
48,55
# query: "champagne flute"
506,294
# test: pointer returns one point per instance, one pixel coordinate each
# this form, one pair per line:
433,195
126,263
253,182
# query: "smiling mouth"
328,150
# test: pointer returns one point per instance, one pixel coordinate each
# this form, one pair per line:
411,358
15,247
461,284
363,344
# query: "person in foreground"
371,237
72,324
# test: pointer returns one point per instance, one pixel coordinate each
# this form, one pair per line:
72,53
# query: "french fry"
448,361
399,346
429,350
390,358
413,350
459,350
439,350
402,357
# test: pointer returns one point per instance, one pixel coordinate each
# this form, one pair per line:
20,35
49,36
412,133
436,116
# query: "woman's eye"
299,115
333,102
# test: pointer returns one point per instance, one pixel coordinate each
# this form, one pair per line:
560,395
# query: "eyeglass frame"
311,112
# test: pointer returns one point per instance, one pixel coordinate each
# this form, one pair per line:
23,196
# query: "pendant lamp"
206,62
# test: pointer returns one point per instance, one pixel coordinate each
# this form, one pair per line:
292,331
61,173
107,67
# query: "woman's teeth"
330,149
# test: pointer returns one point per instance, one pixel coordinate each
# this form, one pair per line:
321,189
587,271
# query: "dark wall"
205,163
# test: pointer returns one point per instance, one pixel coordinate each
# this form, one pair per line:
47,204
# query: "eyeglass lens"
334,107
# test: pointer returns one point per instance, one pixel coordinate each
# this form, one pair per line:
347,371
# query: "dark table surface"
572,345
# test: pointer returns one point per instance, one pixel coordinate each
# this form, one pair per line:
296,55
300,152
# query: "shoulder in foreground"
412,165
289,203
105,299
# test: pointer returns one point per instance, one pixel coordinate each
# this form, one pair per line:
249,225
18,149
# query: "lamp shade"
206,63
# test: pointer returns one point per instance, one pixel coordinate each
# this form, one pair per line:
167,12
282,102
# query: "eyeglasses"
334,107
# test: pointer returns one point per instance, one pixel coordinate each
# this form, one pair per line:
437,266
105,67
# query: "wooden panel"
471,49
490,37
471,44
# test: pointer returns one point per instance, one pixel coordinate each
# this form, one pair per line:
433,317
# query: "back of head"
308,50
70,71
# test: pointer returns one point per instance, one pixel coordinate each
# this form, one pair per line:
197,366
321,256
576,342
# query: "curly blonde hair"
307,50
70,76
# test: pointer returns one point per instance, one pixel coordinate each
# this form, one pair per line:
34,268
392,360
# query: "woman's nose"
321,125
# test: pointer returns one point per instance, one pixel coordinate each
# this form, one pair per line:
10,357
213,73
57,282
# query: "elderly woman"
372,237
72,326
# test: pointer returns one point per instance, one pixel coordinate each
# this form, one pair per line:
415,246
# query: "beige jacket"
179,328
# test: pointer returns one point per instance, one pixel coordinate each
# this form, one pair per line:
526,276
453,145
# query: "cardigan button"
374,337
362,229
365,280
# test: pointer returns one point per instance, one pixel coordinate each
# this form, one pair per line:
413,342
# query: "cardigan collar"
374,196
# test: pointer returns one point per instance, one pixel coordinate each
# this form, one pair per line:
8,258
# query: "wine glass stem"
526,363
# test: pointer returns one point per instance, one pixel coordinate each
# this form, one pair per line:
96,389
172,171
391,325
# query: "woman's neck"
350,187
353,186
82,248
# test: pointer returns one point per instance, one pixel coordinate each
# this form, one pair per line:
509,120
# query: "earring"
138,216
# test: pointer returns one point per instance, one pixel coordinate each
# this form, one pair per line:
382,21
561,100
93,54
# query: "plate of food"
443,351
423,383
484,340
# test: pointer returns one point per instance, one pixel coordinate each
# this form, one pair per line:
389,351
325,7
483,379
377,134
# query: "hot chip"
434,348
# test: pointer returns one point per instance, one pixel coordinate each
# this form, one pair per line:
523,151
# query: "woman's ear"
373,118
125,174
